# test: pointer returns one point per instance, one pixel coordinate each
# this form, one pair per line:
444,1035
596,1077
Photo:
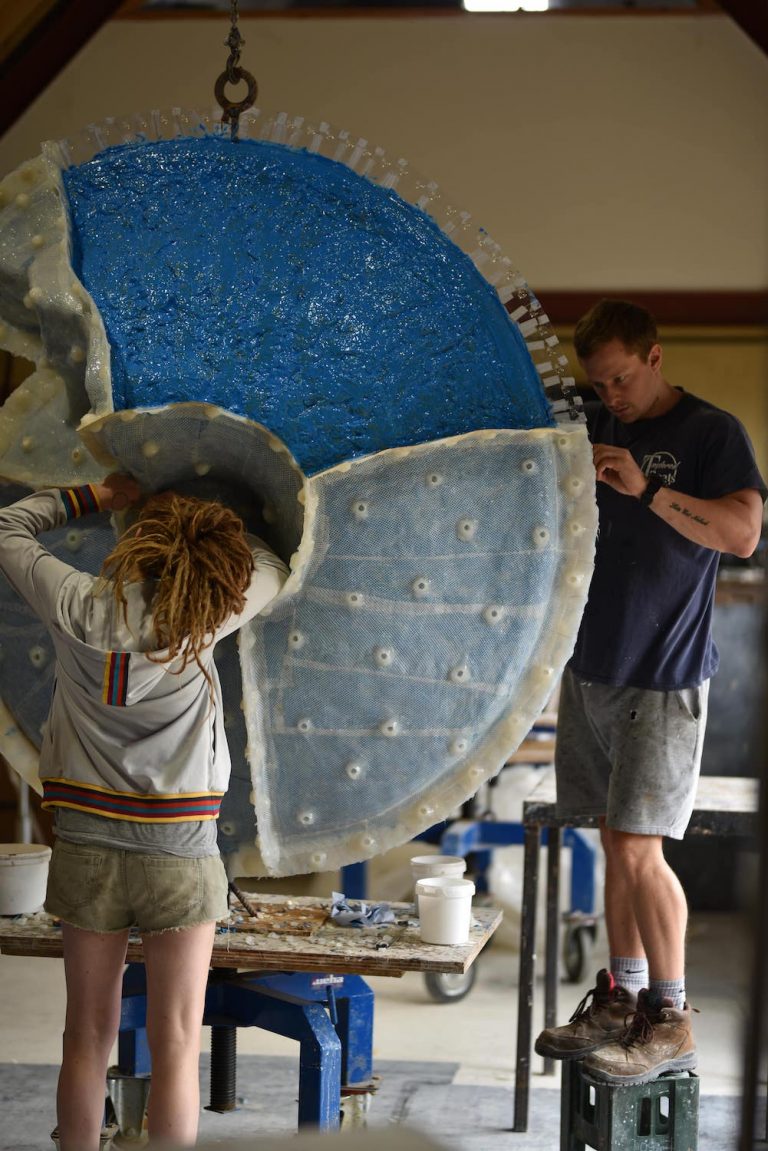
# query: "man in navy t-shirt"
677,485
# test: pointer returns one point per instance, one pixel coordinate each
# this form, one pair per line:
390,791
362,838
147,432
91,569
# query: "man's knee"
631,852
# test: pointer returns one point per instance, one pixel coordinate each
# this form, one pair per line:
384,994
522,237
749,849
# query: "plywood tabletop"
295,934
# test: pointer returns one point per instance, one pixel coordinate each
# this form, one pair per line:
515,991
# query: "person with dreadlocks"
134,763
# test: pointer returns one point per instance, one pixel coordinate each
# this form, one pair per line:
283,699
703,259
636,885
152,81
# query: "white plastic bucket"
429,866
445,908
23,877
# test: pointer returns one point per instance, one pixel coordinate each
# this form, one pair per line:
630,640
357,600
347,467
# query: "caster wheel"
577,951
445,988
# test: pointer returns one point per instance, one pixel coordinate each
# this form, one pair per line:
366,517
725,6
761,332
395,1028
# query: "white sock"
673,989
630,973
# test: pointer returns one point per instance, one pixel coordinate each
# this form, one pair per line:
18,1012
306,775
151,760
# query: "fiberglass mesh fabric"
424,635
27,658
433,599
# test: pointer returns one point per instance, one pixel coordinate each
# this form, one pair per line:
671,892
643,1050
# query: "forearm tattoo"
676,507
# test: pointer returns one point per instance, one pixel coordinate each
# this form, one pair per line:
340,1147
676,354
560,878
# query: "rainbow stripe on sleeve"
79,501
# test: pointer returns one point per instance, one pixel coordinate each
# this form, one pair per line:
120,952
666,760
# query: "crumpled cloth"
359,913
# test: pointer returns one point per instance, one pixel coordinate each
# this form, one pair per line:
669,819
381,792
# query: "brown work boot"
658,1039
600,1018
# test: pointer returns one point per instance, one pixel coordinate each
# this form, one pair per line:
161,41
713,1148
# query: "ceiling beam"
60,30
752,17
17,20
710,308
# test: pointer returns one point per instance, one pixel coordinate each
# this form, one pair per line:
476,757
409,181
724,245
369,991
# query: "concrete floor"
477,1033
462,1048
472,1039
466,1047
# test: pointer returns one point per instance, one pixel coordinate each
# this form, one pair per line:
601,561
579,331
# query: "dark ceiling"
246,6
39,37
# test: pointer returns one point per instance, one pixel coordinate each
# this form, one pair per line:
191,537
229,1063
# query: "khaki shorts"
629,754
104,889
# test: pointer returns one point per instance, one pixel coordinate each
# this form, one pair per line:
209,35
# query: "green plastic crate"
659,1116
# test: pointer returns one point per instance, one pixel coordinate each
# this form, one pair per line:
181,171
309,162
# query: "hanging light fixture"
505,5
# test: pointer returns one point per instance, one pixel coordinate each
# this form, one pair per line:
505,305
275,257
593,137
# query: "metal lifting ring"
235,107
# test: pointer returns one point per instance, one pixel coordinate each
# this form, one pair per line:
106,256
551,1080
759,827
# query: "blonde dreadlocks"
197,554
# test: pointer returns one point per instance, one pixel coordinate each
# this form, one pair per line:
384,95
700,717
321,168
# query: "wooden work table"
294,934
285,965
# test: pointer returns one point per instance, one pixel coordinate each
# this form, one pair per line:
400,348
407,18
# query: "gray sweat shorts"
629,754
104,889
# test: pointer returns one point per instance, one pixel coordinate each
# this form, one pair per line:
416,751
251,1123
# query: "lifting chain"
234,74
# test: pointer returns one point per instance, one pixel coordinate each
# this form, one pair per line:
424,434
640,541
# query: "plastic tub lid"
446,885
437,860
19,854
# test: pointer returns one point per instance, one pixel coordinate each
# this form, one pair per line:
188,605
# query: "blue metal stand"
132,1047
330,1016
479,837
354,879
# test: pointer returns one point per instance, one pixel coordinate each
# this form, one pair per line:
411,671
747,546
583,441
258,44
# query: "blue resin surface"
282,286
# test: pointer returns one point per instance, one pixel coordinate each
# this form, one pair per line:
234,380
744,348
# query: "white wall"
627,152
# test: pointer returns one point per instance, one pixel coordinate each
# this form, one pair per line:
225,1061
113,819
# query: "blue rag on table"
360,914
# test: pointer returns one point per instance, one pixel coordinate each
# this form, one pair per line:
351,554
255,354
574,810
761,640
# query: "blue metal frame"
478,838
330,1016
132,1046
354,880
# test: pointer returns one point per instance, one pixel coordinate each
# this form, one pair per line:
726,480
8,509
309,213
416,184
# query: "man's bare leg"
645,906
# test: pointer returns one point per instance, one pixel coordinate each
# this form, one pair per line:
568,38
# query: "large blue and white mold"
305,325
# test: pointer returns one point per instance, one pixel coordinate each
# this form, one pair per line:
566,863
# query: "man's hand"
617,468
729,523
117,492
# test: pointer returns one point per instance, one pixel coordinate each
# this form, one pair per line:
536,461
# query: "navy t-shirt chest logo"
663,465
